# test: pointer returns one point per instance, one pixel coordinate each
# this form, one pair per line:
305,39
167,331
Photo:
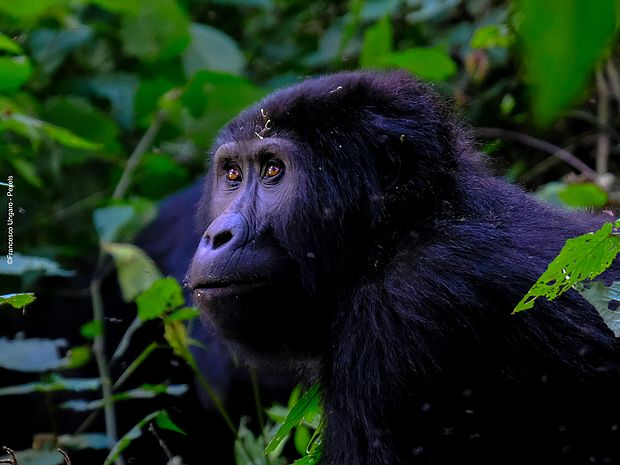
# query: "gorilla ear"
388,164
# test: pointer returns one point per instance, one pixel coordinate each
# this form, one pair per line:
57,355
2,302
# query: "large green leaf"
158,31
15,71
17,300
211,49
163,296
426,62
583,195
562,42
136,271
377,43
23,264
581,258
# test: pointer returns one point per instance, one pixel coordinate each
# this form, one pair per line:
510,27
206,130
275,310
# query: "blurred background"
109,106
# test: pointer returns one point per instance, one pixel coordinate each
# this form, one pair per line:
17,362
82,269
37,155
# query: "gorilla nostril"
221,238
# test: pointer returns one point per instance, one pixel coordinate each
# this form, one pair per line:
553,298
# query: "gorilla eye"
233,174
273,169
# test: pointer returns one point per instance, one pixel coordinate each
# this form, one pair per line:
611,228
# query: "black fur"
413,255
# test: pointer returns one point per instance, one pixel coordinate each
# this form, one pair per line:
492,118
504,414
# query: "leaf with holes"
582,258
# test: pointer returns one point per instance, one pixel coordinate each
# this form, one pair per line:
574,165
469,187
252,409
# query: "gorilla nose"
228,230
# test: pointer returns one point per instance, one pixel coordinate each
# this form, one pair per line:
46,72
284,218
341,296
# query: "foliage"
107,106
581,258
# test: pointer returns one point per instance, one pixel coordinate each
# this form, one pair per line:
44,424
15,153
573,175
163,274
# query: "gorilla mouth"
222,287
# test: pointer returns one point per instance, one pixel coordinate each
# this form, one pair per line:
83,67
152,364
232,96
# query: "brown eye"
233,174
273,170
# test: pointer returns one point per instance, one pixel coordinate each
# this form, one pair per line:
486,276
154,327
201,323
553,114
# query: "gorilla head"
307,192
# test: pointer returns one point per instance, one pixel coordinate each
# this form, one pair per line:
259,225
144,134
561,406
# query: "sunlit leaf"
377,44
9,45
32,355
122,222
163,296
581,258
23,264
17,300
146,391
91,329
136,271
561,43
15,71
428,63
305,409
492,35
583,195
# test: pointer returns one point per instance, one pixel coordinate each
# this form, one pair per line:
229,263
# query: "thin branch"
539,144
602,115
134,159
103,368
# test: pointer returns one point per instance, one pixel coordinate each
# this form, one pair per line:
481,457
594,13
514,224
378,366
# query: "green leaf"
27,171
492,35
123,221
133,434
53,383
83,119
305,409
163,296
581,258
118,6
561,45
211,49
165,422
91,329
136,271
84,441
23,264
36,457
15,71
183,314
159,31
17,300
27,10
583,195
78,356
428,63
175,333
377,44
10,46
600,296
50,47
32,355
146,391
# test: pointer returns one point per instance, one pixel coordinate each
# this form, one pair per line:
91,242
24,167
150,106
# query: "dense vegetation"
107,106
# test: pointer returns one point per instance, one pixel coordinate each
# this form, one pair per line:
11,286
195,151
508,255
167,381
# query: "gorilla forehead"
317,110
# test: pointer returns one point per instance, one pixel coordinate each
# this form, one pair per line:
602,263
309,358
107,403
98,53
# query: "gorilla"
350,229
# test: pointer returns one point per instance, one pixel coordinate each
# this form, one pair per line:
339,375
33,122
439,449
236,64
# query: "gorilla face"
242,276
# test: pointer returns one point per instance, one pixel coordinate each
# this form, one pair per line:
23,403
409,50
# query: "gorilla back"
352,228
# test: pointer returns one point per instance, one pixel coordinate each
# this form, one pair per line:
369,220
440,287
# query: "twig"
134,159
161,442
99,351
539,144
602,114
95,285
66,456
12,459
259,409
614,80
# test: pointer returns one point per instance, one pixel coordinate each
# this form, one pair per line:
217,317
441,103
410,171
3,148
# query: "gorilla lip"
227,286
